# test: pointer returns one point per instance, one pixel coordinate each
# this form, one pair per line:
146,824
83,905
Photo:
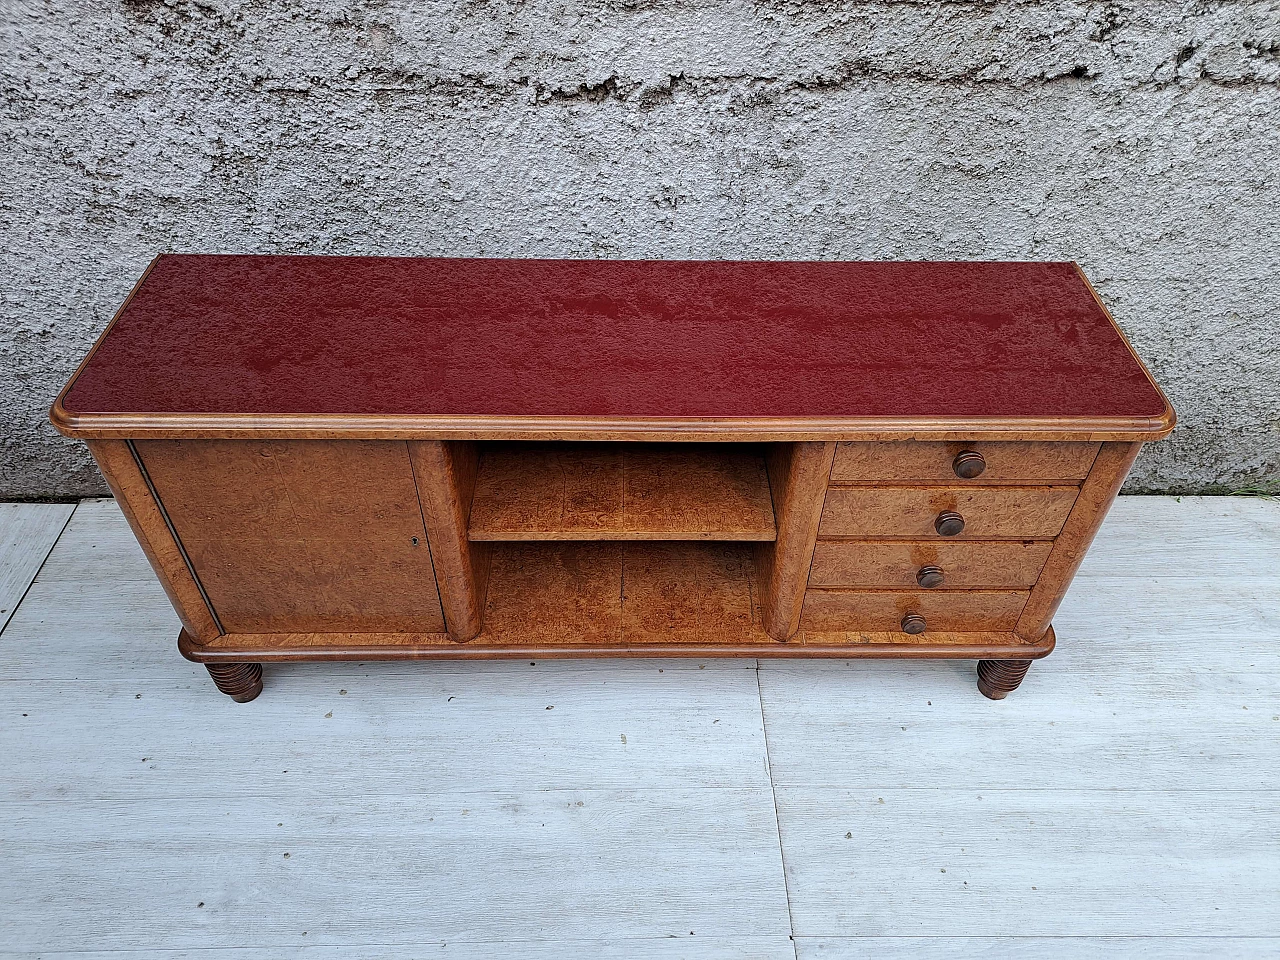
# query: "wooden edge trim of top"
1169,416
59,416
210,426
250,648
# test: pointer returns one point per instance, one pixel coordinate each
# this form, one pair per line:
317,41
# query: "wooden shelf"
610,599
622,491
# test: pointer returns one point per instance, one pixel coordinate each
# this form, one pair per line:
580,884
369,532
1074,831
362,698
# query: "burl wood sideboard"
331,458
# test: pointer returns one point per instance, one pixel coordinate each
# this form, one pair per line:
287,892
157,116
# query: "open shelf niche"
641,542
630,543
621,491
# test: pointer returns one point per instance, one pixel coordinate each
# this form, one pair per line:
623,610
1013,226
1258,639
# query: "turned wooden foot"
239,681
998,678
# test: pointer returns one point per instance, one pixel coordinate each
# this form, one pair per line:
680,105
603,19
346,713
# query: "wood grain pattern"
292,489
359,539
672,592
124,476
265,586
930,645
552,593
588,491
634,594
1021,513
876,610
798,475
1096,496
894,563
445,475
564,599
896,461
301,535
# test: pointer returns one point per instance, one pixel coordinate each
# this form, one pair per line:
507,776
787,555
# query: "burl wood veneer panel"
300,536
1008,461
1021,513
612,593
550,593
958,610
630,491
895,563
671,592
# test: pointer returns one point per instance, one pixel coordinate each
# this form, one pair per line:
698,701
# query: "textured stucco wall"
1140,138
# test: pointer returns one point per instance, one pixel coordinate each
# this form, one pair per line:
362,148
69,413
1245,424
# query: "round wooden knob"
949,523
929,576
913,623
968,464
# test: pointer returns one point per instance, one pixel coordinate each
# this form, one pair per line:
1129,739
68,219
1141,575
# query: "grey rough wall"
1140,138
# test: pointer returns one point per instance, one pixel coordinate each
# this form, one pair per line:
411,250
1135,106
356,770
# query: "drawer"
1002,461
989,513
966,611
896,564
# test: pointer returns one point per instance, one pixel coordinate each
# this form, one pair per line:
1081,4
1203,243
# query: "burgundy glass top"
591,338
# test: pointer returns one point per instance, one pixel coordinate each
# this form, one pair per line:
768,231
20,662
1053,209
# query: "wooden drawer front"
967,611
1007,461
300,535
990,513
896,563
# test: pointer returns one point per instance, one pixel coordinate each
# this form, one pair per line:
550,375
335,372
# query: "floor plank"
672,947
27,534
1031,863
387,728
100,547
1039,948
1128,789
1138,705
1212,537
1173,685
100,629
359,869
1131,781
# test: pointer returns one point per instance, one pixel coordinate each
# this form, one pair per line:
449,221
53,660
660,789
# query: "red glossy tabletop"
612,339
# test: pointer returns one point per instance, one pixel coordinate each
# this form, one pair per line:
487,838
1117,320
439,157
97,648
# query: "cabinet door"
300,536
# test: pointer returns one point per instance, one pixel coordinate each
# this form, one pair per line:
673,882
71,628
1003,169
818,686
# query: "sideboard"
357,458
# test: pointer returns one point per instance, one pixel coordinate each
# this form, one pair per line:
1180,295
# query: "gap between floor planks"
28,532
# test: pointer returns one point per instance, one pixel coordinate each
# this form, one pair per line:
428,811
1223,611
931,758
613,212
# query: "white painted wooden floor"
1125,802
